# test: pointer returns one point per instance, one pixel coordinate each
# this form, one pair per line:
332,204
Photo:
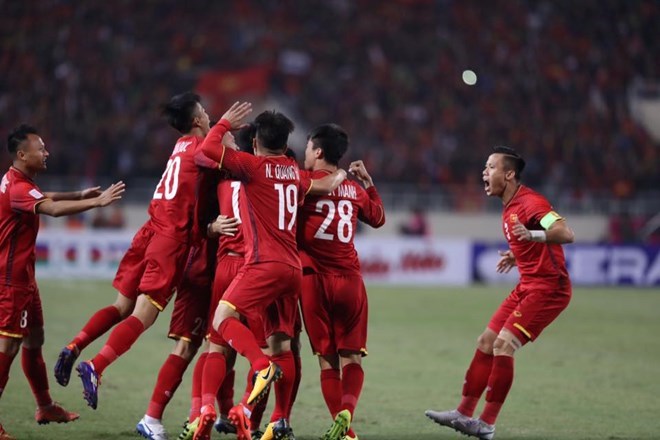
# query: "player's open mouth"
486,185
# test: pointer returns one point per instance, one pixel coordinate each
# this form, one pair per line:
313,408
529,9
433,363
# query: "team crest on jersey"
513,218
36,194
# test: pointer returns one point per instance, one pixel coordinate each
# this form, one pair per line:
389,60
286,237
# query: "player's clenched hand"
358,169
520,231
111,194
507,261
224,225
229,141
90,193
237,112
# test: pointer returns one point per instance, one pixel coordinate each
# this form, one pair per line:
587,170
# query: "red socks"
241,339
226,392
296,382
5,365
476,379
499,384
34,368
352,378
196,395
284,386
214,373
120,340
98,324
332,390
169,379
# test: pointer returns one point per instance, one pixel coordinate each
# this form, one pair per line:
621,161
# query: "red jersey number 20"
169,183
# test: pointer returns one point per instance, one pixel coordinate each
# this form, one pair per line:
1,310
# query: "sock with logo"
214,373
169,379
120,341
476,379
499,384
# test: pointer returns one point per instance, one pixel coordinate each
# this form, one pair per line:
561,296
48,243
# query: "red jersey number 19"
288,204
170,180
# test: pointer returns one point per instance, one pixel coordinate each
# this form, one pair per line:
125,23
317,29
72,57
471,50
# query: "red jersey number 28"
288,201
344,226
169,183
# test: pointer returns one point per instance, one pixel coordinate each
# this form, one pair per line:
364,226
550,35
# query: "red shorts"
525,313
336,311
257,286
153,265
193,295
20,311
283,316
226,270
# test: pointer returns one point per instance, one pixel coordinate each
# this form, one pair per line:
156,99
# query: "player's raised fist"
237,112
358,169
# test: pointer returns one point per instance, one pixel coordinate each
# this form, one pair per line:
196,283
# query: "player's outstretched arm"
328,183
557,233
87,193
213,146
57,208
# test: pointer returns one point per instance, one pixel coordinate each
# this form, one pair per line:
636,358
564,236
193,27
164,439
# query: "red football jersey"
172,208
229,192
19,225
327,225
273,189
541,265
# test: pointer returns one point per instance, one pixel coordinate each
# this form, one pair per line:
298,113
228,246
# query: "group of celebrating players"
245,240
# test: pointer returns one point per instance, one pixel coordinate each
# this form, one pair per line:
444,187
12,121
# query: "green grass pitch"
594,373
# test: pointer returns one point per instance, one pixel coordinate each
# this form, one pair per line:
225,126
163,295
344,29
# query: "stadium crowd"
552,82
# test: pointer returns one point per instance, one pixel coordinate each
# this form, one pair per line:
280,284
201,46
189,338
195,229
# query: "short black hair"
273,129
332,139
245,137
291,154
180,111
512,160
18,136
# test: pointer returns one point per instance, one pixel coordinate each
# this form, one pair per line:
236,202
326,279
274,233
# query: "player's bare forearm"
58,208
560,233
328,183
69,195
557,233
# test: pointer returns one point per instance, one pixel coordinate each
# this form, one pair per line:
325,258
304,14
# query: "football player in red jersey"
331,274
535,234
272,190
153,265
21,317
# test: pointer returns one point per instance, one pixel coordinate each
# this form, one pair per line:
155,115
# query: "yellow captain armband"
549,219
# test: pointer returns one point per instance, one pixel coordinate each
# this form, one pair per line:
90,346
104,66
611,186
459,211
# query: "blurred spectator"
552,78
416,225
115,220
